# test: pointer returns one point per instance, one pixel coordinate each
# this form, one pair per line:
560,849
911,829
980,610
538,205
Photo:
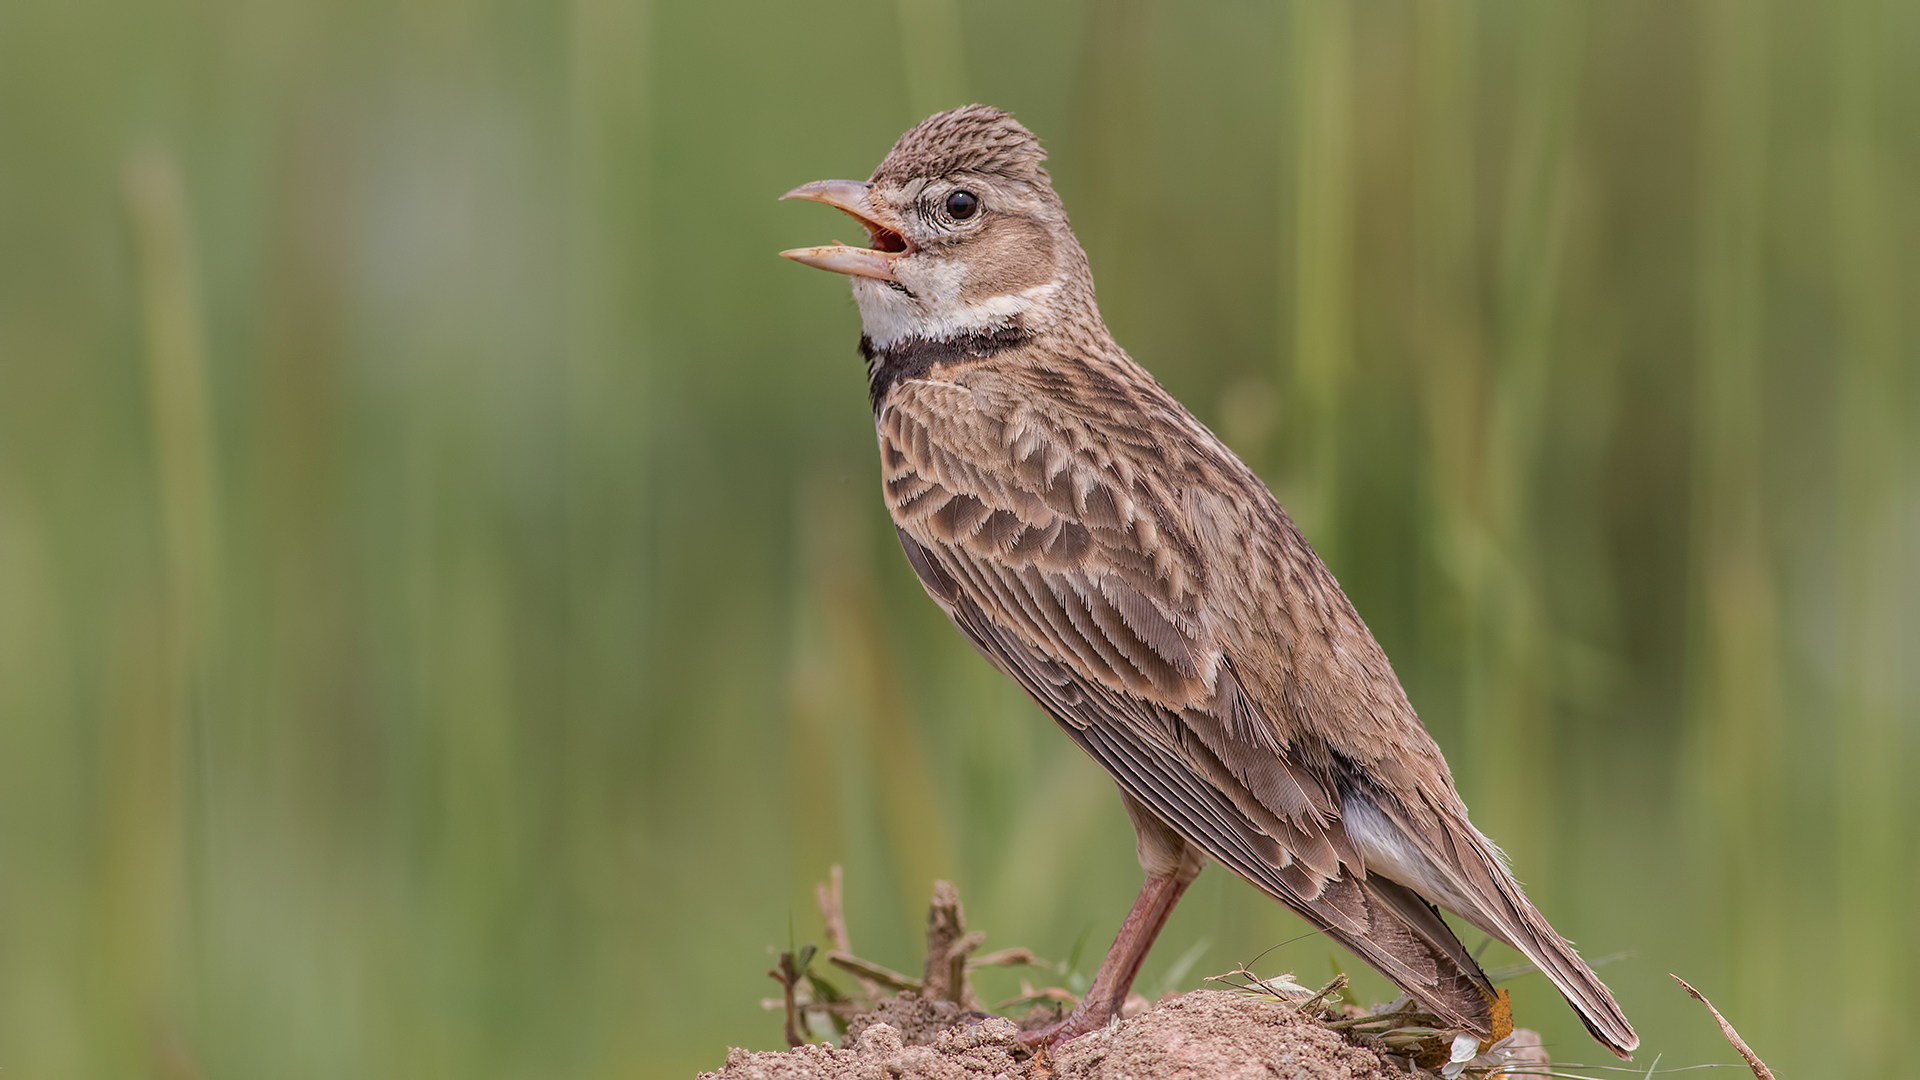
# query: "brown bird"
1102,548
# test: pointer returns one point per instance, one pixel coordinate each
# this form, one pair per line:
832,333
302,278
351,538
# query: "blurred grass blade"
174,345
1875,808
146,802
1322,258
933,51
1736,737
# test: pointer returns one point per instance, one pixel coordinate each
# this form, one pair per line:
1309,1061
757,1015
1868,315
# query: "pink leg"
1115,977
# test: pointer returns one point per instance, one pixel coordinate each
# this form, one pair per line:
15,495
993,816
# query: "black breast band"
916,356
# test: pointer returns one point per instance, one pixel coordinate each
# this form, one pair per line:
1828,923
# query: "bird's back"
1085,432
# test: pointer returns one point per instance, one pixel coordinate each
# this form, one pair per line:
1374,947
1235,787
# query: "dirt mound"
1212,1034
970,1051
914,1019
1206,1033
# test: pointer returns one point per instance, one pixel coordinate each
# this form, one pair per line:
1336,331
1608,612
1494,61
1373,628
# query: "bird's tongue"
879,237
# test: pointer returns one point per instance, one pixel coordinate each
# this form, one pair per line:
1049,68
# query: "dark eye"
962,205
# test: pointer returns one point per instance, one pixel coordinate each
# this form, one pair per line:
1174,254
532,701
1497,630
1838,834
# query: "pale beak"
851,196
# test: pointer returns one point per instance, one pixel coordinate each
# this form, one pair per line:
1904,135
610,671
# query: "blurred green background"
447,621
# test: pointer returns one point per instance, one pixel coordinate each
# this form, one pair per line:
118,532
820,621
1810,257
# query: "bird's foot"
1041,1041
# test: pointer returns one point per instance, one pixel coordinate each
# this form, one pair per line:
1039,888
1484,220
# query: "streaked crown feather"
972,138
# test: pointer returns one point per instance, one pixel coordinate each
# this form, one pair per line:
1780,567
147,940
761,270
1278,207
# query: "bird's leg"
1122,964
1115,977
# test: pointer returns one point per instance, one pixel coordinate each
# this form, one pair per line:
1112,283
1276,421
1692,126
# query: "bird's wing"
1069,552
1068,567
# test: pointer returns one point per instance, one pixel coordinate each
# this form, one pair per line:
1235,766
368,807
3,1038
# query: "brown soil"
1207,1033
915,1020
970,1051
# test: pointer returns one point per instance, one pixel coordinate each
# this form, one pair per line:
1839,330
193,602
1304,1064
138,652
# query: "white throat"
935,312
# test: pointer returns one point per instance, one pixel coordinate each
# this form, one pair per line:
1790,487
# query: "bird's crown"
972,138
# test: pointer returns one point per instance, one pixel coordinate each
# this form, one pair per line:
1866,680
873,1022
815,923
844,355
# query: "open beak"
885,243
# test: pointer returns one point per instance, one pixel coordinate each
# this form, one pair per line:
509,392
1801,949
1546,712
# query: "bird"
1101,547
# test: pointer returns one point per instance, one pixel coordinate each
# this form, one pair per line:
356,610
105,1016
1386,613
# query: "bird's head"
964,234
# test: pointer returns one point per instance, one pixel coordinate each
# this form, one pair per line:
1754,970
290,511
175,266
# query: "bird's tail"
1490,898
1406,940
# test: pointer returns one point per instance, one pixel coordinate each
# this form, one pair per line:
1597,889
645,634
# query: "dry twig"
1752,1059
788,976
827,894
1014,957
1334,986
833,914
948,944
869,972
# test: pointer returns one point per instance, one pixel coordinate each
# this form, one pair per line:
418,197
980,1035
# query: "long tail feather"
1466,874
1409,943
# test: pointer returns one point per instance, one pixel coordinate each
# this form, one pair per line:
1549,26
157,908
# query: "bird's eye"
962,205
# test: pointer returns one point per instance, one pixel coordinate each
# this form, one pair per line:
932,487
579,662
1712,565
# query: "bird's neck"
912,357
906,335
933,304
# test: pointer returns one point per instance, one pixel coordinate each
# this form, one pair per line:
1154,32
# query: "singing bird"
1106,551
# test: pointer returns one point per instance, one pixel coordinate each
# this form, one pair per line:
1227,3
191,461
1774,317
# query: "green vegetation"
447,622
